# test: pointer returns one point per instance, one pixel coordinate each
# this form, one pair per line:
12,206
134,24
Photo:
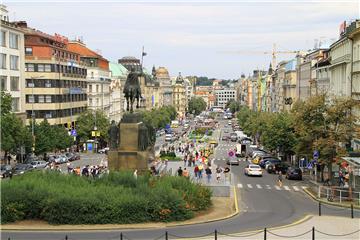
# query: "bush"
114,198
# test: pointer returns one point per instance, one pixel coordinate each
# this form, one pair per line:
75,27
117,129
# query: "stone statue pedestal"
129,156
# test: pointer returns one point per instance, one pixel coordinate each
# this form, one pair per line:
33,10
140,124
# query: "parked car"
232,161
39,164
233,137
278,167
265,159
271,161
224,138
6,171
61,159
104,150
253,170
168,137
21,168
294,173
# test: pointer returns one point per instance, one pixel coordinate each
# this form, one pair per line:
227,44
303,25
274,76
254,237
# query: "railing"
265,234
333,194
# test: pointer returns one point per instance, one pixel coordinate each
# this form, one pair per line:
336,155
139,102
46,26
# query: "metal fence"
333,194
217,235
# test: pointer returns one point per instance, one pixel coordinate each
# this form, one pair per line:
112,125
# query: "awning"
354,161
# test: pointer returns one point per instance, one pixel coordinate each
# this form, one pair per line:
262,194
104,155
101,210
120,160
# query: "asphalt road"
261,204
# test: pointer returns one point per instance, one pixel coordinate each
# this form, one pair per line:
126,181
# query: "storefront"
351,165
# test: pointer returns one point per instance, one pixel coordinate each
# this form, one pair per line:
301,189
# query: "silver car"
39,164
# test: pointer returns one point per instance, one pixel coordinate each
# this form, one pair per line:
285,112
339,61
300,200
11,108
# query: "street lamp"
32,111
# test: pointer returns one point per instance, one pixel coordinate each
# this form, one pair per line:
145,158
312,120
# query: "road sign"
231,153
73,133
309,166
316,155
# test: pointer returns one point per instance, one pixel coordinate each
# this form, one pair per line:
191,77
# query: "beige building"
163,77
117,100
55,79
179,97
12,63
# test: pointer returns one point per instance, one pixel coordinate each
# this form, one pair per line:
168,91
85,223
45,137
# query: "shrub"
114,198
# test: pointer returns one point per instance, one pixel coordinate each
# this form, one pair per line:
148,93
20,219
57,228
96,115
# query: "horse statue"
132,90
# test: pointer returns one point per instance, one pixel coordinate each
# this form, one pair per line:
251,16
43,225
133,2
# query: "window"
28,51
14,83
97,88
47,68
13,40
48,98
14,62
90,102
90,88
41,98
31,98
47,83
97,102
29,67
3,39
15,104
41,68
3,80
92,75
2,61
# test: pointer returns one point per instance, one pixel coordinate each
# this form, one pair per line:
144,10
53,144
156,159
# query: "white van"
238,150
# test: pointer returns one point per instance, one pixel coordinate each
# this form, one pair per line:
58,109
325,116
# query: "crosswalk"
269,187
225,159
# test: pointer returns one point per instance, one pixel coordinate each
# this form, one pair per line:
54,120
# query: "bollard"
265,233
215,234
66,237
319,208
352,211
121,236
313,233
166,236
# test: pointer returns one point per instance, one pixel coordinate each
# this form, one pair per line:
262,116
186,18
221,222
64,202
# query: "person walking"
180,172
196,172
218,174
185,173
208,174
280,179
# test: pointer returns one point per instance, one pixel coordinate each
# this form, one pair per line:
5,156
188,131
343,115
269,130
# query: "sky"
217,39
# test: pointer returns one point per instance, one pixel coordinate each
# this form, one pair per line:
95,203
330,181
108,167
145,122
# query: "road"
261,202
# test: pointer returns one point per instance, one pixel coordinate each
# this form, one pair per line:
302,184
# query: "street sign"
73,133
231,153
316,155
309,166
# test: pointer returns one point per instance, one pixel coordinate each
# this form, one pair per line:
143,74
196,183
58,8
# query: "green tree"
6,101
197,105
88,120
44,139
233,105
62,138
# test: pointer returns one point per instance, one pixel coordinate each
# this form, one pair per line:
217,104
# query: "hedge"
116,198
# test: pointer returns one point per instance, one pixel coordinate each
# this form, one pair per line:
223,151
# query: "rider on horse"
132,89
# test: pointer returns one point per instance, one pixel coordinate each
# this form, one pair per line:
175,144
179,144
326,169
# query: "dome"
162,72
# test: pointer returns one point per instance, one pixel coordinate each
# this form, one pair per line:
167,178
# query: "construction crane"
273,53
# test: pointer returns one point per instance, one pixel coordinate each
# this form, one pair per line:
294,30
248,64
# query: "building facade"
98,77
12,65
224,95
55,79
179,97
163,77
117,99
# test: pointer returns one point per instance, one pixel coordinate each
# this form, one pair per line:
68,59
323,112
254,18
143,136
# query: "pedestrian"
208,174
185,160
180,172
280,179
135,174
201,167
218,174
196,171
185,173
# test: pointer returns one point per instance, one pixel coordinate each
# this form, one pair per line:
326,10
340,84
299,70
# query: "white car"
253,170
104,150
39,164
168,137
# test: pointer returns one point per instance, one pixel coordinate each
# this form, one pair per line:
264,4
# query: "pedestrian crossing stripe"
225,159
268,187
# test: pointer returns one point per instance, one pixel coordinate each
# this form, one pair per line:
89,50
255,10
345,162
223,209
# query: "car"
226,131
39,164
6,171
271,161
253,170
232,161
104,150
278,167
21,168
168,137
264,159
294,173
233,137
224,138
213,142
61,159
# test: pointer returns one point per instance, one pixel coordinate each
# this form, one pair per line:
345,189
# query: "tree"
88,120
233,105
197,105
44,139
6,101
324,125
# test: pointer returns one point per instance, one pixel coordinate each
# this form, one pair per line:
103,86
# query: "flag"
144,54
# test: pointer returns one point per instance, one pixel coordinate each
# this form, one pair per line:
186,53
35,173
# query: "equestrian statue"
132,89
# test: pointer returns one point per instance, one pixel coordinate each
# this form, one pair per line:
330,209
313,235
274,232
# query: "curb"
327,202
131,228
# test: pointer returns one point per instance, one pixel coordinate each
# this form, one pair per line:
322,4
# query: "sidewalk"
326,227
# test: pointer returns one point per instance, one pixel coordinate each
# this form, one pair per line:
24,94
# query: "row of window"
14,83
14,61
13,39
53,83
33,67
55,113
56,98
